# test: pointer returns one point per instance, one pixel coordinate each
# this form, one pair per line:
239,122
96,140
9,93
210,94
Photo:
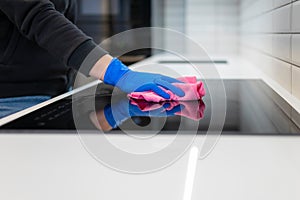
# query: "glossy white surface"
35,167
264,168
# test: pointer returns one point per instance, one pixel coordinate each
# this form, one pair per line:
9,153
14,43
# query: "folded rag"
191,109
194,90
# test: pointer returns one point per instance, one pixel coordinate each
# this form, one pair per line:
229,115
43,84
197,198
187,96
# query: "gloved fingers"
160,92
154,88
171,87
170,79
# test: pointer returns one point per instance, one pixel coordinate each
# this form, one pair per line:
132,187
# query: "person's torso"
23,61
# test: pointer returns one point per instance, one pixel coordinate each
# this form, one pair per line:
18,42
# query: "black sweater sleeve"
39,21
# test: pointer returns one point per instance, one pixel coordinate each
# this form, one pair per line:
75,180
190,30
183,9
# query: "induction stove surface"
252,108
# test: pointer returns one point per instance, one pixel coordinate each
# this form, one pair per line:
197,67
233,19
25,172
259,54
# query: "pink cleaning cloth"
192,109
194,90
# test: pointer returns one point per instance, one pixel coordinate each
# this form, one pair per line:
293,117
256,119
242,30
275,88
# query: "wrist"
99,121
99,69
109,116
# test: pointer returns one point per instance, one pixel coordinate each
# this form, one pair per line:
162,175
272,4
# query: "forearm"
39,21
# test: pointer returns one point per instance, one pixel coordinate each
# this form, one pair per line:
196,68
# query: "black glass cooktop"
252,107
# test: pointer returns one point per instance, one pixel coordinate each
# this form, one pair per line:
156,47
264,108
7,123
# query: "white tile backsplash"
273,49
296,49
214,24
281,72
278,3
282,46
281,19
296,81
296,17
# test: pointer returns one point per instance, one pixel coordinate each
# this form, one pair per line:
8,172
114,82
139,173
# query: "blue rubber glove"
120,110
117,74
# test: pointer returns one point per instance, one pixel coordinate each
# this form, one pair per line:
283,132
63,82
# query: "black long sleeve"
39,21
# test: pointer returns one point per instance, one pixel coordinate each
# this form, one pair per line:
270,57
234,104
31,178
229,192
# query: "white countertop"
35,167
57,166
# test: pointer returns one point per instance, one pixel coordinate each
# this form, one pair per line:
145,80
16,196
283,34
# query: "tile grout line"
271,56
267,11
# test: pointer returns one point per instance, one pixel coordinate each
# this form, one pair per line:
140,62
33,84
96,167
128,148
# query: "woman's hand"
117,74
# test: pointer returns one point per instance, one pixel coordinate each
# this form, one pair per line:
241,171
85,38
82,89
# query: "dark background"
101,19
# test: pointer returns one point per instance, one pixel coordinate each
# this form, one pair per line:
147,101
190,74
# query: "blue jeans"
12,105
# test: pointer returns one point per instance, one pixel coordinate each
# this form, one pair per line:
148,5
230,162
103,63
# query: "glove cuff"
115,70
109,116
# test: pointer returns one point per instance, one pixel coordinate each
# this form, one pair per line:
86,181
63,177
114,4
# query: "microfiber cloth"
194,90
191,109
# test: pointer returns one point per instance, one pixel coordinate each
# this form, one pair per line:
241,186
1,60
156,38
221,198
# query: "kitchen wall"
167,14
211,23
270,38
